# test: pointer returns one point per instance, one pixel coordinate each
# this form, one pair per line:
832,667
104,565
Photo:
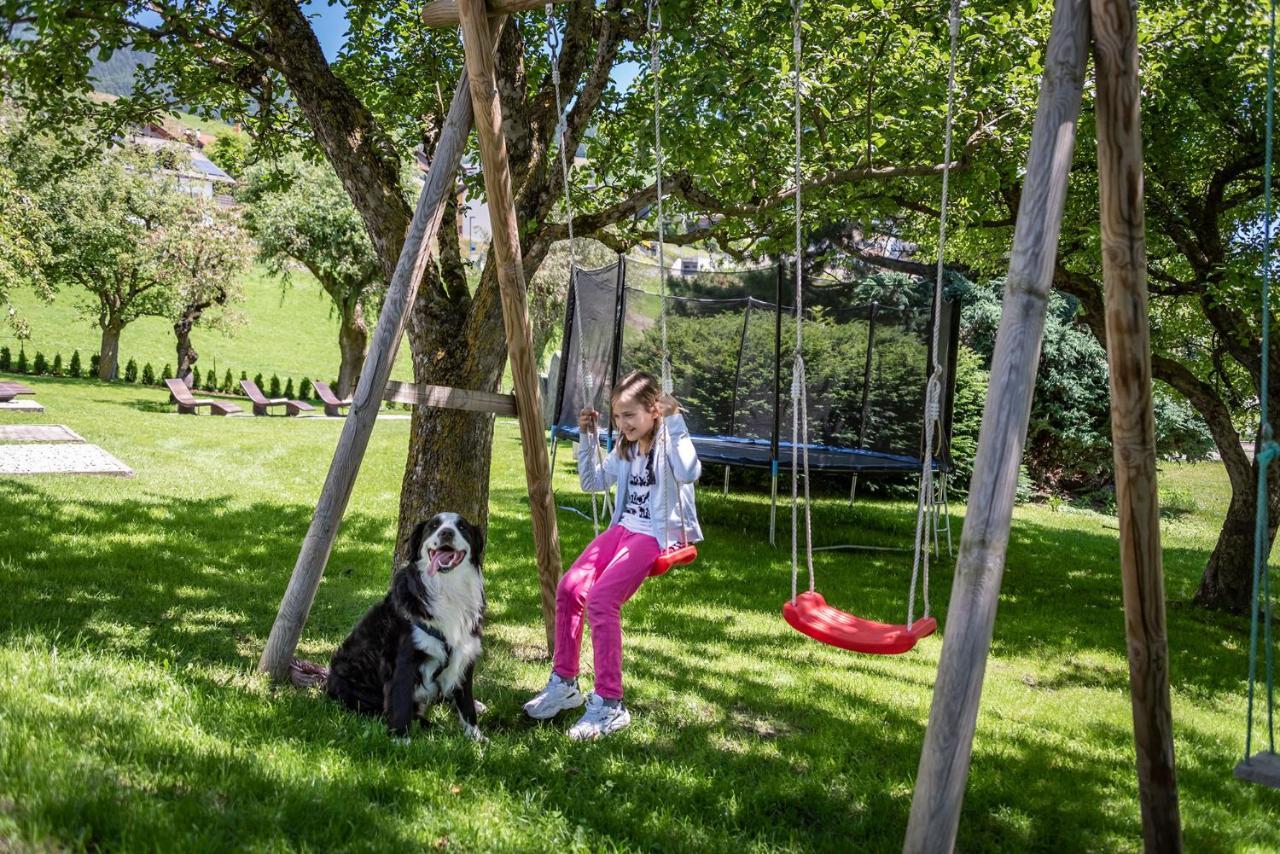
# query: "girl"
646,520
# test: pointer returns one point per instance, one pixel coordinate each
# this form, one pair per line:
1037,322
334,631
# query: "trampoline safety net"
731,338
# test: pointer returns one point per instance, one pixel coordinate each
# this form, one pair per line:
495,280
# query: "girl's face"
632,419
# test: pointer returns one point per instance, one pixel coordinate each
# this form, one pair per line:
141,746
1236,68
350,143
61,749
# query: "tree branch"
1216,415
361,154
1203,396
681,185
180,29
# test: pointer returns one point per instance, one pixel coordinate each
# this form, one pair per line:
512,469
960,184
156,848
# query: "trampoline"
867,365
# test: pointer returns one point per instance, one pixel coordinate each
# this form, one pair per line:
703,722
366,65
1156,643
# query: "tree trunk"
109,352
459,343
191,314
187,355
353,342
1227,583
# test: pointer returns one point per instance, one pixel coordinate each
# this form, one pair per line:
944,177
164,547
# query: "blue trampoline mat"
756,453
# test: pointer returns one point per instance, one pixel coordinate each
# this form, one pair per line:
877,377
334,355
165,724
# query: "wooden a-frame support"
948,744
475,96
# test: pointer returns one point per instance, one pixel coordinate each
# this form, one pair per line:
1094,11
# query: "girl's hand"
668,405
587,419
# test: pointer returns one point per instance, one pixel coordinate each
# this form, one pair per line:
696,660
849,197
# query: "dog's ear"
415,542
476,538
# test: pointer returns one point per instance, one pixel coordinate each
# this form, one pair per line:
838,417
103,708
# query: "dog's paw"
401,740
481,708
474,733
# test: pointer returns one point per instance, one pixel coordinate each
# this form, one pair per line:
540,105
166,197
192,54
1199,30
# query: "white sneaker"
560,694
600,719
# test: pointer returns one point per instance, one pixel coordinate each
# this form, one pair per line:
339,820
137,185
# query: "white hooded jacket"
681,460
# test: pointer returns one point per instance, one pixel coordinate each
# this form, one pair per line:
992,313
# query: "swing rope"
586,380
799,388
1268,451
662,440
926,501
654,25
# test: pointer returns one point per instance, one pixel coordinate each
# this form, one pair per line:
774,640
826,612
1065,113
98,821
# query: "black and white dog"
420,644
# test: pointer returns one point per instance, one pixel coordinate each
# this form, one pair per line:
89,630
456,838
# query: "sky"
330,23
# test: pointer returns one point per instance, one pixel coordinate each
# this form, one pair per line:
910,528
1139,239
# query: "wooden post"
318,543
444,13
948,742
476,42
450,398
1124,273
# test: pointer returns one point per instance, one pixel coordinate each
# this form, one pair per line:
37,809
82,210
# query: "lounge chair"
332,404
9,389
262,404
189,404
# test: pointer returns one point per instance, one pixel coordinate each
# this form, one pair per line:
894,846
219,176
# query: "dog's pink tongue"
444,558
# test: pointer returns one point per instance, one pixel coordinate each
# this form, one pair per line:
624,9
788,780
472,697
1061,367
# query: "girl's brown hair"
644,389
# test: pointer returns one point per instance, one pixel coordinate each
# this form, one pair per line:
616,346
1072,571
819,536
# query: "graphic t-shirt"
640,480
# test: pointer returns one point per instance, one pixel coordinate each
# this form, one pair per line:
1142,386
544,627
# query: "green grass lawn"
290,331
132,613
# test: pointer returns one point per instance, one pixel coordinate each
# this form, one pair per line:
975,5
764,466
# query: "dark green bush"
74,369
56,368
1069,435
22,361
305,391
288,388
257,380
195,377
228,382
95,362
275,386
167,373
6,359
131,371
40,365
148,374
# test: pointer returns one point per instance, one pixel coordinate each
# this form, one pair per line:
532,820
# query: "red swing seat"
811,615
676,555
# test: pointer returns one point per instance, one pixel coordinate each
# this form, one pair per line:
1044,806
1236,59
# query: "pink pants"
603,577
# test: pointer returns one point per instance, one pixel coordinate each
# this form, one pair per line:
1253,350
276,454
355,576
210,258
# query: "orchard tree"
229,151
204,252
299,213
108,222
23,250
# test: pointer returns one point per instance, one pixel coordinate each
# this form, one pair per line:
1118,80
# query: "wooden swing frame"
475,101
1109,27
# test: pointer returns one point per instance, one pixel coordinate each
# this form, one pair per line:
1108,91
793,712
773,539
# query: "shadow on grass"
746,760
1061,593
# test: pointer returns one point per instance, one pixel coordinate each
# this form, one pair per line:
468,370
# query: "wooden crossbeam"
444,13
444,397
